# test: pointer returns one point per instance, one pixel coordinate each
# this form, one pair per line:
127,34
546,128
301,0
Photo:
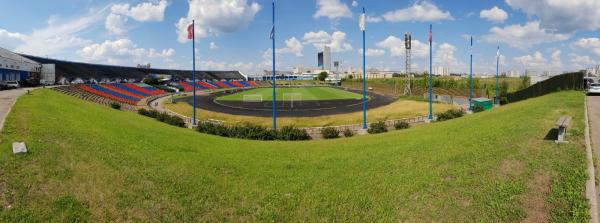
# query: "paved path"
593,103
7,100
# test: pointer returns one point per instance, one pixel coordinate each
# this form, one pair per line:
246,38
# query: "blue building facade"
13,75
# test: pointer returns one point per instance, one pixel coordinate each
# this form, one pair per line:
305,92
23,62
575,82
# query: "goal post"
291,98
253,98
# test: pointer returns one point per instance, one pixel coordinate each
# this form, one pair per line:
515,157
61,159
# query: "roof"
70,69
482,99
4,53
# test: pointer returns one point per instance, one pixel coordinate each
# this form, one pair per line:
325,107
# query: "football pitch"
297,94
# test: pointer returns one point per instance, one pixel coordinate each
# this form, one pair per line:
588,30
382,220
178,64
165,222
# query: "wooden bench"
562,124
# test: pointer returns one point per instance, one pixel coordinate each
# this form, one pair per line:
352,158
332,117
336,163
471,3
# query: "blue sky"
541,35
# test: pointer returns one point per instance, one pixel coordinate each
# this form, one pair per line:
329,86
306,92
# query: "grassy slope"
308,94
89,162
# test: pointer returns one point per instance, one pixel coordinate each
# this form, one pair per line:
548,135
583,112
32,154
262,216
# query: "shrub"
330,133
377,127
348,133
477,109
143,111
115,105
503,100
291,133
163,117
450,114
253,131
401,125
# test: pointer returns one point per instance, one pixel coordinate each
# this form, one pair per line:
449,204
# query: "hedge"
568,81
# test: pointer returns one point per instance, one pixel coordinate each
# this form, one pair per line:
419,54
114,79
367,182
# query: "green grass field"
306,94
91,163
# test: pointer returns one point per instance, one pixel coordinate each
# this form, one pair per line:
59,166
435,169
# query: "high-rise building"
327,58
441,71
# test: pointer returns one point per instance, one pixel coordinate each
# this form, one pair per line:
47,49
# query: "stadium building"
14,67
33,70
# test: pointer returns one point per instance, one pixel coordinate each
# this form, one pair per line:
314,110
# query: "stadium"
99,142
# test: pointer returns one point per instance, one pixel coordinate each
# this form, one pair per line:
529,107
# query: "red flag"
190,30
430,36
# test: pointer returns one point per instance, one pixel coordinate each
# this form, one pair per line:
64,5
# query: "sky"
540,35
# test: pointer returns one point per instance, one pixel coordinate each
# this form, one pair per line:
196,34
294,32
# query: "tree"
525,82
322,76
151,81
350,76
503,87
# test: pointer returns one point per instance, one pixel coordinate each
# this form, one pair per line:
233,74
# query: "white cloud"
591,44
494,14
421,11
217,16
294,46
336,41
60,35
396,47
213,46
115,24
556,62
213,65
374,19
354,3
582,62
444,56
143,12
121,51
11,40
332,9
523,36
562,15
372,52
536,61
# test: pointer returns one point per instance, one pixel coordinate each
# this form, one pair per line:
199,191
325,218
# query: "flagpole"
274,108
430,72
497,75
194,67
364,78
471,78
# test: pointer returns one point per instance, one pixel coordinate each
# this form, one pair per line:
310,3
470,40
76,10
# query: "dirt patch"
535,200
510,167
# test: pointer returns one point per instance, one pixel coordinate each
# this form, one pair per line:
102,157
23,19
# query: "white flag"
498,52
362,22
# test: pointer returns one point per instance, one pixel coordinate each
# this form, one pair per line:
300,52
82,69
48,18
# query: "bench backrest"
564,121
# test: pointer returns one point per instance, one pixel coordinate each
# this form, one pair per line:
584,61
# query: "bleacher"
132,93
86,71
124,93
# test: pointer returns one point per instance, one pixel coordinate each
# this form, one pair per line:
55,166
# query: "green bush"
503,100
348,133
253,132
478,108
450,114
401,125
163,117
330,133
291,133
115,105
377,127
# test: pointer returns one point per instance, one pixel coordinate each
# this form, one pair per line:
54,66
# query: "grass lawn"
91,163
307,94
396,110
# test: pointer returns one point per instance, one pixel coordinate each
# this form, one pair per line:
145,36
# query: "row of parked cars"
4,85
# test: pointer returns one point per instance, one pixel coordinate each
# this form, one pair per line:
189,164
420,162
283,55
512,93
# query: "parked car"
10,84
593,89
